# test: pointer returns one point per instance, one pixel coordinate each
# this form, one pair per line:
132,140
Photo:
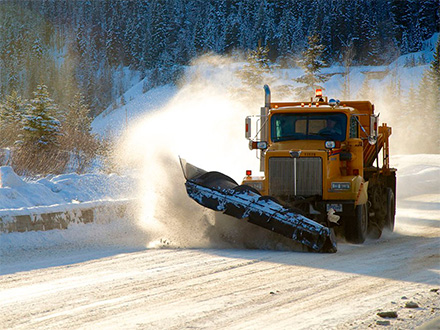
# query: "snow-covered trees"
37,146
347,60
43,138
11,116
253,74
434,70
429,96
76,134
312,64
40,39
41,128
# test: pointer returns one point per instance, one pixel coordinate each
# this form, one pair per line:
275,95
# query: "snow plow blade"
219,192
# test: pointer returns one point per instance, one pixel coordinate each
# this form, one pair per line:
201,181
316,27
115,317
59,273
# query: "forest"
83,46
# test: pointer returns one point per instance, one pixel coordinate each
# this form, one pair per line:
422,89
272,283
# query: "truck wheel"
356,226
391,210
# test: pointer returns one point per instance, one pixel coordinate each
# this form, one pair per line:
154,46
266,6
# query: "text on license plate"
336,207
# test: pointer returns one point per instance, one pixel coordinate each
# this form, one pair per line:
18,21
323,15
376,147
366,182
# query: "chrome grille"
295,176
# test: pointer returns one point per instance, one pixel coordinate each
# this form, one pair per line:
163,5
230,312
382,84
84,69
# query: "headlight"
262,145
341,185
330,144
257,145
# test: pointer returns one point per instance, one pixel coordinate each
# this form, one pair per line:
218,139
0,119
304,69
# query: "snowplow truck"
323,157
321,173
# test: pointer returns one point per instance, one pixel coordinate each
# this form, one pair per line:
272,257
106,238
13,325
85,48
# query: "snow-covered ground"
17,193
176,265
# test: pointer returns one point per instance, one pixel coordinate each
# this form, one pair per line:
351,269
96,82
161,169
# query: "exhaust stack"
266,96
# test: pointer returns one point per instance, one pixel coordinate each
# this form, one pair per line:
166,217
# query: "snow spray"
204,123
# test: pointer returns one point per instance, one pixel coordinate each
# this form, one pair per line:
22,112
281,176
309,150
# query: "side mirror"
372,137
248,123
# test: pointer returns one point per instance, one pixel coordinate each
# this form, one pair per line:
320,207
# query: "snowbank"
16,193
417,175
56,202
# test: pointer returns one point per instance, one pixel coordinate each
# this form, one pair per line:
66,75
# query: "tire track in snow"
221,288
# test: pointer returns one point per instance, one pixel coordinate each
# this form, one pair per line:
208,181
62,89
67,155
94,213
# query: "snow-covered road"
214,288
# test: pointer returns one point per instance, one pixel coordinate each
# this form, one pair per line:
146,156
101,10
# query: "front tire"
356,226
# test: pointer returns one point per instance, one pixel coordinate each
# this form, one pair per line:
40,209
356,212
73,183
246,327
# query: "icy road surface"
214,288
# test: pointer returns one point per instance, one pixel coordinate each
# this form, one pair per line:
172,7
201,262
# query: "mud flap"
219,192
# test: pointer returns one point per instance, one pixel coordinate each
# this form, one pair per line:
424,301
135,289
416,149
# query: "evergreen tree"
434,70
232,34
160,32
428,17
77,119
428,115
366,92
255,72
412,103
40,128
312,65
12,110
401,18
347,60
76,136
11,115
430,87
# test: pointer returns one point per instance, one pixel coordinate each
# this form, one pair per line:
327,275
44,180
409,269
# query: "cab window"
308,126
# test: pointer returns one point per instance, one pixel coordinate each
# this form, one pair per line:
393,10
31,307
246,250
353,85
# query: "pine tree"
12,110
428,16
312,64
428,115
434,70
412,102
40,128
77,118
366,92
160,32
255,73
401,17
76,137
11,115
347,60
430,88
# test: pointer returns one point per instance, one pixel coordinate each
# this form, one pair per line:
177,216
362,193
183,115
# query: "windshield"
308,126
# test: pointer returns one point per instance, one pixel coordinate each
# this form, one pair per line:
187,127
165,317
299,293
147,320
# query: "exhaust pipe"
266,96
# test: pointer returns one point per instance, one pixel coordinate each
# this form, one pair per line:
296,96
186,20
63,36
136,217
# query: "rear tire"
356,226
391,210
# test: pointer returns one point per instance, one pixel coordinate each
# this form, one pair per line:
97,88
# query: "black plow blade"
219,192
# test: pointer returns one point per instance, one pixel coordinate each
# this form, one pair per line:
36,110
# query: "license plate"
336,207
